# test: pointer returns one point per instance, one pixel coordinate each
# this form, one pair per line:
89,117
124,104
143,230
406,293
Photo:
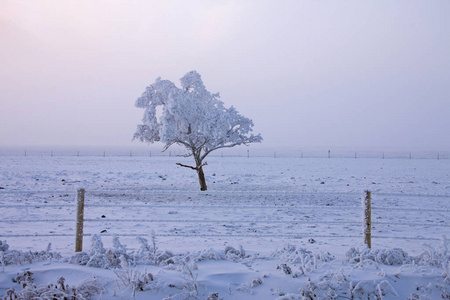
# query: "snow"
267,228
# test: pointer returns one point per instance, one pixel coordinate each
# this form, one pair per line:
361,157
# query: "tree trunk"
201,179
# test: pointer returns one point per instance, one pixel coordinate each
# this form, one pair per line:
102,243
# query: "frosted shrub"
234,254
435,257
25,279
118,247
247,287
79,258
114,255
229,253
146,253
291,297
191,286
307,260
15,257
99,257
150,255
327,287
3,246
209,254
372,290
390,257
214,296
85,290
130,277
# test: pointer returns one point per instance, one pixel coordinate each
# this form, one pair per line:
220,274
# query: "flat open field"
262,204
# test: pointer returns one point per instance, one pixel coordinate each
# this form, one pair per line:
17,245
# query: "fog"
311,74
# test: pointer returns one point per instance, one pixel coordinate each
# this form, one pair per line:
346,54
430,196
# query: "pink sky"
309,73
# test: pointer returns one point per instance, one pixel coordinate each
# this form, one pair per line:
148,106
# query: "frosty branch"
193,118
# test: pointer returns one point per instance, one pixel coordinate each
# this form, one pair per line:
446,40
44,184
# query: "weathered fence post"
80,218
367,226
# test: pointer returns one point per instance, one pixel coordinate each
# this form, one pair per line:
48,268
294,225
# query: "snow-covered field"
267,228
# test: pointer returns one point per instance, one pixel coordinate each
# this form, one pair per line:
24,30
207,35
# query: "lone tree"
191,117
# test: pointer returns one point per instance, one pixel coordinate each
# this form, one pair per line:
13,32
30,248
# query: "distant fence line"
237,153
366,235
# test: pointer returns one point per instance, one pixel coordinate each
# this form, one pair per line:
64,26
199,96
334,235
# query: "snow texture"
301,239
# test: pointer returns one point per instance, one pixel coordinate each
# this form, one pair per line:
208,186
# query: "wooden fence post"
367,226
80,218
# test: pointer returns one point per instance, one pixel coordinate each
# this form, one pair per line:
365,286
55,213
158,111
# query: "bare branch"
193,168
168,145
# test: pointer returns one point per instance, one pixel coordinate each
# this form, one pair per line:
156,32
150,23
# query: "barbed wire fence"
275,153
279,216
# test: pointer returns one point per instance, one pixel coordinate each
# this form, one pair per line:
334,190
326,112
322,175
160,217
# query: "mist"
311,74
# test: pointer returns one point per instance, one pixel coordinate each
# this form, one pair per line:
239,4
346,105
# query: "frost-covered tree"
191,117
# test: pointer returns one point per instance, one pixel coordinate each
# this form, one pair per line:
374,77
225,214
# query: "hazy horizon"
310,74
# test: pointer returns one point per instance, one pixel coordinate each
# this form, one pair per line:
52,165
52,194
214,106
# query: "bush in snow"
79,258
372,290
3,246
85,290
25,279
15,257
209,254
393,257
307,260
390,257
191,286
100,257
137,280
435,257
234,254
247,287
214,296
149,254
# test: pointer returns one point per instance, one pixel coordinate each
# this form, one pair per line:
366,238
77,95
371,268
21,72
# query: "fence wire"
344,209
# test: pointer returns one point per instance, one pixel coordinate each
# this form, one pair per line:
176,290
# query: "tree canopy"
191,117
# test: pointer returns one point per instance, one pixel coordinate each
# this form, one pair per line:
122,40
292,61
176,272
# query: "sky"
318,73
